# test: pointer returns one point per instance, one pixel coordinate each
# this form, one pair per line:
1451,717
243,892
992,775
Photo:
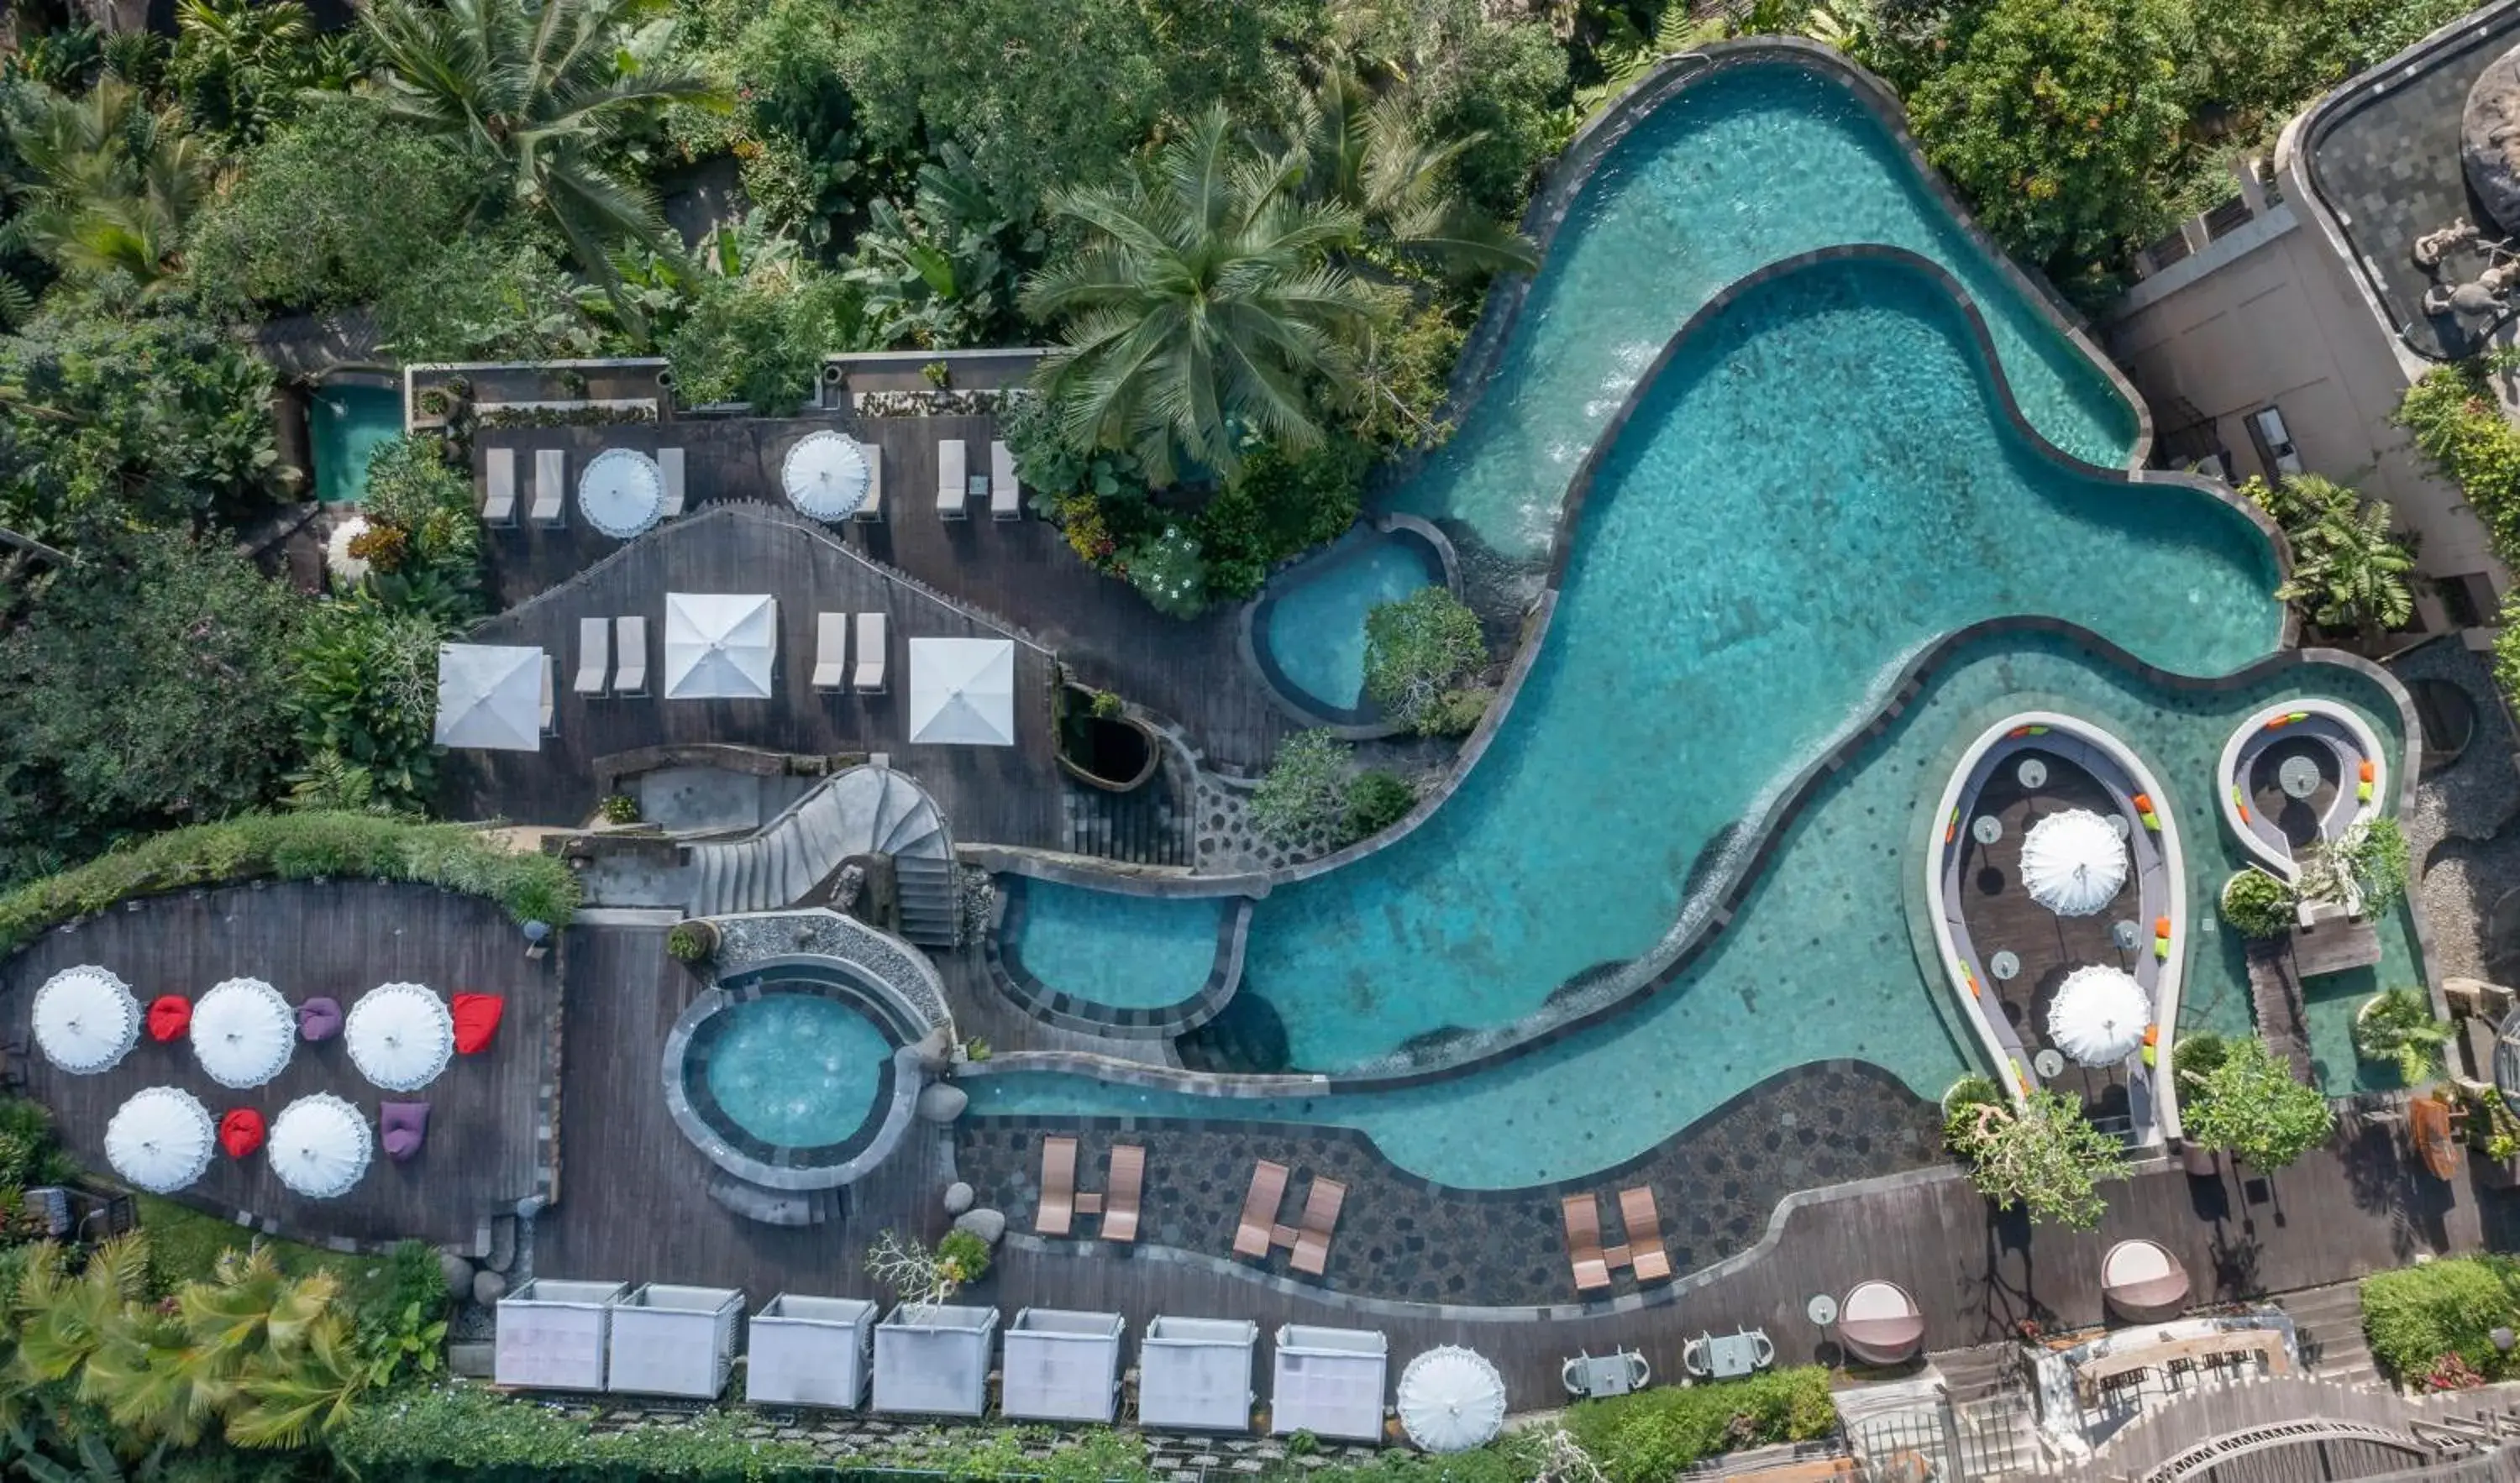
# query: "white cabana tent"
242,1032
552,1335
963,691
720,646
490,697
86,1019
1329,1382
809,1351
320,1146
161,1140
934,1359
400,1036
1452,1399
825,475
673,1341
2099,1015
1062,1366
621,493
1196,1373
2073,863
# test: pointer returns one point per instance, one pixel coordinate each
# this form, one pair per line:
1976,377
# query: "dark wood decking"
2297,818
488,1131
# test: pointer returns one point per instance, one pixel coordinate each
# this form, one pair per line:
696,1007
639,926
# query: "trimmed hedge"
2415,1316
529,887
1651,1435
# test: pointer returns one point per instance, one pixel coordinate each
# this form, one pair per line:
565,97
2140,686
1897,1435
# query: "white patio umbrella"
720,646
1452,1399
825,475
337,549
400,1036
320,1146
86,1019
242,1032
2073,863
963,691
621,493
161,1140
490,697
2099,1015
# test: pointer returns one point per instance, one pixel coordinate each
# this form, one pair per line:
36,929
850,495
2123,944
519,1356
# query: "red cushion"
170,1016
240,1132
477,1020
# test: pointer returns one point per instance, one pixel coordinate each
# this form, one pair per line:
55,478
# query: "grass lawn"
185,1243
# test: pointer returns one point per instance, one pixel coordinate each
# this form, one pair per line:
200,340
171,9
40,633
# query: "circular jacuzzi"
793,1074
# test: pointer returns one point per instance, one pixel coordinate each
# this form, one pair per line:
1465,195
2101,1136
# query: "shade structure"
934,1359
1328,1381
963,691
1061,1367
621,493
809,1351
161,1140
242,1032
320,1146
337,549
400,1036
2141,1281
1196,1373
1879,1323
553,1334
2073,863
2099,1015
673,1341
490,697
86,1019
825,475
720,646
1452,1399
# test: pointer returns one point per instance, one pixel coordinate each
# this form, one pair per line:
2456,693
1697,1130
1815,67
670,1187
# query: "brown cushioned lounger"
1057,1186
1260,1209
1128,1178
1650,1261
1584,1242
1321,1213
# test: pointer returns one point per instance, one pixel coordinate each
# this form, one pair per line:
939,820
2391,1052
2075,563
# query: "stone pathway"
2466,858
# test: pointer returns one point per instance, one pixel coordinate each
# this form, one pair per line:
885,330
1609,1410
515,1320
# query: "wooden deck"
488,1131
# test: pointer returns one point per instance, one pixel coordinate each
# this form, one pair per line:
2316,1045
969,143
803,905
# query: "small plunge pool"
1309,631
797,1071
344,423
1109,950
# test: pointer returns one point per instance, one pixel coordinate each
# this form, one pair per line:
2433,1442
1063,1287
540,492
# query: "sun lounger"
1584,1242
551,487
953,482
1321,1214
1128,1183
499,481
1005,502
872,509
631,640
1645,1253
594,656
1057,1186
870,653
1260,1209
551,683
669,463
830,651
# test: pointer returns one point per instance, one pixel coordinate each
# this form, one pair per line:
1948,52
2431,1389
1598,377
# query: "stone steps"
2328,1324
863,811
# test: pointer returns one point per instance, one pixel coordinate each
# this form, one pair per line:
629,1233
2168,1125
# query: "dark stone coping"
1069,1012
611,768
726,1143
369,373
1357,722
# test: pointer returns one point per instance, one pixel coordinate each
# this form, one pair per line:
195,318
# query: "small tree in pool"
1420,656
1305,794
2247,1102
2043,1156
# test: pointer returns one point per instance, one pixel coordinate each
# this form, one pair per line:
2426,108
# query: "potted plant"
2492,1135
1099,743
618,808
2395,1026
692,942
2258,903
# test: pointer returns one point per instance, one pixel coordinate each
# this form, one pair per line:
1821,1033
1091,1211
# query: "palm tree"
143,1378
250,1314
67,1319
1354,149
535,93
1204,307
2350,571
285,1399
114,182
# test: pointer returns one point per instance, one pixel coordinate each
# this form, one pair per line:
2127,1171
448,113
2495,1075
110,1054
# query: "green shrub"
2198,1055
690,942
1276,507
2452,1305
2248,1102
2456,423
1304,794
1171,574
2257,904
2397,1026
2043,1156
964,1255
1418,652
1375,801
1651,1436
618,808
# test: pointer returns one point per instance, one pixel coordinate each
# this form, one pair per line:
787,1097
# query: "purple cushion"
405,1125
319,1020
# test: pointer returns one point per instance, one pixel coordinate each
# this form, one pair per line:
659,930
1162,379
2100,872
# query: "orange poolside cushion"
2143,803
170,1016
2370,773
477,1020
240,1132
2161,927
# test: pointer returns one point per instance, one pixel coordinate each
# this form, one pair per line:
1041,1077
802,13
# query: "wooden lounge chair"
1321,1213
551,487
499,488
630,645
830,651
594,656
1005,497
1583,1214
872,509
1260,1210
1645,1253
953,485
1057,1186
1128,1182
870,653
669,464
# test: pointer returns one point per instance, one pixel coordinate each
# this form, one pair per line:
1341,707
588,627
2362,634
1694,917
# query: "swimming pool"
1110,950
795,1070
345,422
1311,623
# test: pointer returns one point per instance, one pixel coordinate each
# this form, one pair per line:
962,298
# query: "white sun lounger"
594,656
499,488
630,637
551,685
871,652
953,485
872,509
551,487
1005,499
669,463
830,651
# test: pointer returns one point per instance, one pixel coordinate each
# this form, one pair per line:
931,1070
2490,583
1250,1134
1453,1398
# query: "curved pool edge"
1356,723
2242,750
1070,1011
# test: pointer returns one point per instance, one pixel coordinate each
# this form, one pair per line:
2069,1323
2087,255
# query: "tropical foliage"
2258,903
2449,1306
2351,569
2042,1155
1422,655
1656,1434
2397,1027
1312,796
2366,868
2236,1094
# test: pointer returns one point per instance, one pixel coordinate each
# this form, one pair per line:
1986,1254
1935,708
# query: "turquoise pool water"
1745,167
1315,620
1126,952
346,424
797,1071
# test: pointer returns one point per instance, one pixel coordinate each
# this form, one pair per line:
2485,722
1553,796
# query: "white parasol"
1452,1399
337,549
2073,863
242,1032
161,1140
320,1146
720,646
621,493
963,691
86,1019
825,475
2099,1016
400,1036
490,696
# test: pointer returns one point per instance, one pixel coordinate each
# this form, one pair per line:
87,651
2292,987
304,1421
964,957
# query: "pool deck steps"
863,811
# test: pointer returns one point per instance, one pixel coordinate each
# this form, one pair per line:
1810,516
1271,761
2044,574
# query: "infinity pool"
346,424
1314,624
797,1071
1124,952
